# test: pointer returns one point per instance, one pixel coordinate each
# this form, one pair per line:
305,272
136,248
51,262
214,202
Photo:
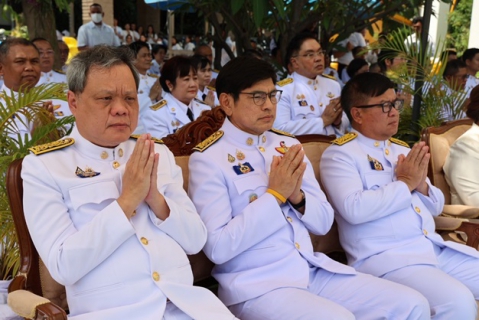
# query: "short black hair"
448,52
354,66
452,67
417,19
296,43
137,45
39,39
158,47
386,54
361,88
178,66
96,5
469,54
242,73
11,42
199,62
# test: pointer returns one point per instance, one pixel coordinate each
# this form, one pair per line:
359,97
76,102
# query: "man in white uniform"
96,31
258,197
149,89
47,59
107,213
310,100
20,65
385,204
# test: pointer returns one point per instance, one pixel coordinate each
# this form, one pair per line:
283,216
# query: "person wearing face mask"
179,81
96,32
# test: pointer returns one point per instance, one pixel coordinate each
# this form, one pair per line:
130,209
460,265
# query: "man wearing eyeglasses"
310,101
257,194
47,58
385,204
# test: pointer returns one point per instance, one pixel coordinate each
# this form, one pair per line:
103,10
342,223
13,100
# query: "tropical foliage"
421,78
459,25
246,18
25,108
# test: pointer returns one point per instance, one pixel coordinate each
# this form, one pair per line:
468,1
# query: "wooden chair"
454,217
43,298
314,146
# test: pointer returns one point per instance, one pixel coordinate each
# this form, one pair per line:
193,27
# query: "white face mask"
96,17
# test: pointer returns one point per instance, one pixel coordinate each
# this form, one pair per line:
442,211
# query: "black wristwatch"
300,204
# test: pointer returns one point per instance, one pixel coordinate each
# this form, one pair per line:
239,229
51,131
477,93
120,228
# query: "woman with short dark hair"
179,81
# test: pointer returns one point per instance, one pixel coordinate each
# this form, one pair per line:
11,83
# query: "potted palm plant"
26,105
437,100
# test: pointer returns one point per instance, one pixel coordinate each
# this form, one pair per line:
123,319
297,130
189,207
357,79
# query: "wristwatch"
300,204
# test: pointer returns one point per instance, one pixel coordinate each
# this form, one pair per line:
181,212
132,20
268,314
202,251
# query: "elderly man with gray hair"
108,213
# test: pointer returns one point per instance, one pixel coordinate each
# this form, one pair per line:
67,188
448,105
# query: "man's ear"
294,63
227,103
72,102
356,115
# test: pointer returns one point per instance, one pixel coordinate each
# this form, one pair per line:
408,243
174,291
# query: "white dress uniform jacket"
155,68
201,95
52,76
256,244
112,267
460,168
169,115
144,101
303,102
382,225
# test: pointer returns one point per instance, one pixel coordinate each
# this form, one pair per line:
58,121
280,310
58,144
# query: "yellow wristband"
276,195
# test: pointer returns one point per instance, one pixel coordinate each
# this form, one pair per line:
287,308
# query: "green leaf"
259,11
236,5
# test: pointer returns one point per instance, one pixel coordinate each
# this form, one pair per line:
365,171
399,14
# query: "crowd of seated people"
253,198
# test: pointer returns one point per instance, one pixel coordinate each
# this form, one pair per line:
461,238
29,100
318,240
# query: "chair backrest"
314,146
439,139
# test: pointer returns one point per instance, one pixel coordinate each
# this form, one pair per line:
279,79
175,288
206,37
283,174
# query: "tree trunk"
40,20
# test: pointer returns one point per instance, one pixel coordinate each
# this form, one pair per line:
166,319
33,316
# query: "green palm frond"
428,66
24,108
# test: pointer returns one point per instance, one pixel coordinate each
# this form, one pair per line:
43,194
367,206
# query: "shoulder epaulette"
211,88
329,77
199,101
345,139
159,105
216,70
152,75
59,71
205,144
283,133
51,146
399,142
156,140
284,82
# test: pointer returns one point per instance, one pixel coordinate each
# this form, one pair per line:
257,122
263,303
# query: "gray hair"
102,57
11,42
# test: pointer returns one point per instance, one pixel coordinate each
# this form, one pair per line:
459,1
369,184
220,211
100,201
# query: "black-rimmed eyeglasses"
386,106
259,98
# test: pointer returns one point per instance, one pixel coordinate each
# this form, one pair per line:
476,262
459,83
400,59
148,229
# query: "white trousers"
451,288
338,297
